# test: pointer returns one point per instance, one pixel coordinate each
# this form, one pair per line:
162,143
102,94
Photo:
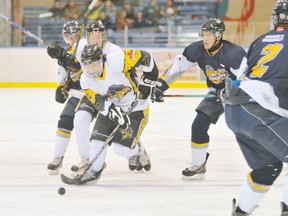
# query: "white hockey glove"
146,87
116,115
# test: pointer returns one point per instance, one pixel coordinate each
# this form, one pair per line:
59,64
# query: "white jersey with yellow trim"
119,79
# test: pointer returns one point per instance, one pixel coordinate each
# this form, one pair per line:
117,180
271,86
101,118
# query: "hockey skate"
284,209
134,163
196,172
144,161
236,211
81,166
55,165
90,176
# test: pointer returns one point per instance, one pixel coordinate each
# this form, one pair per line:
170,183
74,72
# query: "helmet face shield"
94,69
93,60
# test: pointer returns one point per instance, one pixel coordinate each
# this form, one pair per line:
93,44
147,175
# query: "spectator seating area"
190,16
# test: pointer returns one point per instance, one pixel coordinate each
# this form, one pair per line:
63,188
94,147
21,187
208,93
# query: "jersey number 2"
270,52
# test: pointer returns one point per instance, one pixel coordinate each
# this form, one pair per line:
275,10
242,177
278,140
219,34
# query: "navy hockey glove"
146,87
61,95
116,115
161,87
56,52
96,99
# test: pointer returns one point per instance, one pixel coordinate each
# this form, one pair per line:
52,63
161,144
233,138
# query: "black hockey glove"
161,87
116,115
96,99
61,95
56,52
146,87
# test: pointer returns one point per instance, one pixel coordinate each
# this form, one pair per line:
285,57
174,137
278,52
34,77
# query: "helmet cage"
96,33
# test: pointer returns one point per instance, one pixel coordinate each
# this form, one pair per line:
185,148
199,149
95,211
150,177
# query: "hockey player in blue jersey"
218,59
257,109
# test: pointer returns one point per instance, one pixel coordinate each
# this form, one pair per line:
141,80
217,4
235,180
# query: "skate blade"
194,177
54,172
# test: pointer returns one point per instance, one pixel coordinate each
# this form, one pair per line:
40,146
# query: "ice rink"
28,121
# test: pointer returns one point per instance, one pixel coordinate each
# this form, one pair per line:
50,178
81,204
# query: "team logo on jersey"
118,91
126,134
217,76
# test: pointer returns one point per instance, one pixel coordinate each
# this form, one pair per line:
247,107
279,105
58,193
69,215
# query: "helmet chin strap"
215,46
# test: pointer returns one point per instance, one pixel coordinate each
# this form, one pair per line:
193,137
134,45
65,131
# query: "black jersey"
267,62
219,66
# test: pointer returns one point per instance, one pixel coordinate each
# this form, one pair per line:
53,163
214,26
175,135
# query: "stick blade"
70,181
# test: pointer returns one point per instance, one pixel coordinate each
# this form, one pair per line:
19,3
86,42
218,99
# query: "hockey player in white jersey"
111,84
95,34
69,73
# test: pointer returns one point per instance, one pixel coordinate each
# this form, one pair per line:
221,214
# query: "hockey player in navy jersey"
218,59
257,112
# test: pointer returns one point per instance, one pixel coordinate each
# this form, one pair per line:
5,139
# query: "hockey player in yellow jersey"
111,84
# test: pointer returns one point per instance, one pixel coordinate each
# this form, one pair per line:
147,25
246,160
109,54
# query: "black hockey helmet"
93,28
92,53
69,29
95,25
93,59
280,14
214,25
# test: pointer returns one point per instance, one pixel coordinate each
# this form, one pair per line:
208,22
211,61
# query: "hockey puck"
61,191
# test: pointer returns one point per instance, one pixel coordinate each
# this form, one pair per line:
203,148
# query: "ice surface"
28,121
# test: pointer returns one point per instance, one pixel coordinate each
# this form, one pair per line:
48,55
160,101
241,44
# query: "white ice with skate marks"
28,122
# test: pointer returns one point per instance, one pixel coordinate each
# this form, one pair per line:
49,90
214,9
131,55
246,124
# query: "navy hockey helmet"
93,59
214,25
96,32
280,14
70,28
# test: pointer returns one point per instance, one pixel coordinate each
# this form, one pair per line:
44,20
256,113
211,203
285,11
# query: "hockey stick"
76,180
190,95
90,7
25,31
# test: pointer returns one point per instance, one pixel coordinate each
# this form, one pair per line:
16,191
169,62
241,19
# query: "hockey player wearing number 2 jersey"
218,59
260,123
112,80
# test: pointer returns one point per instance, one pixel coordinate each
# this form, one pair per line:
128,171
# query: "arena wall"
32,67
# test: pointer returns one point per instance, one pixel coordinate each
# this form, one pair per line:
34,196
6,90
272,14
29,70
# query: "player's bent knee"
81,118
267,175
124,151
66,122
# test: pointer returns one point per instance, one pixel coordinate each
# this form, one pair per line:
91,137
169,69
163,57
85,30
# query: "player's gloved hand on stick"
61,95
161,87
56,52
96,99
116,115
146,87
